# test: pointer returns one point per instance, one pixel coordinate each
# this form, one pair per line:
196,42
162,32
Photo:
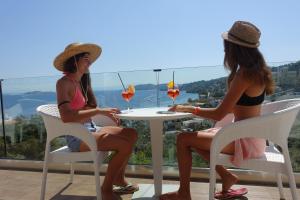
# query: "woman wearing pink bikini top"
77,103
248,82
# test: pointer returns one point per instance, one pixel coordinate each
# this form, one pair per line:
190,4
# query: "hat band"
241,40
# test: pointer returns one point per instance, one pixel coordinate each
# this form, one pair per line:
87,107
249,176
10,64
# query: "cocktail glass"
128,94
173,91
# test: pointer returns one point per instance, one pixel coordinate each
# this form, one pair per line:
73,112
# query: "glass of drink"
128,94
173,91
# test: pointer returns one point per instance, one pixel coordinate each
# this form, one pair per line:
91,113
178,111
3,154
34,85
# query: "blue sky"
139,34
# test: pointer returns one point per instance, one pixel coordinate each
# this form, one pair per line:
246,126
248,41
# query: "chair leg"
212,182
280,187
290,174
45,172
292,182
71,172
97,175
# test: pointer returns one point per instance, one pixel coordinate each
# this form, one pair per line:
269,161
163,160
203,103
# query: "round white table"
156,119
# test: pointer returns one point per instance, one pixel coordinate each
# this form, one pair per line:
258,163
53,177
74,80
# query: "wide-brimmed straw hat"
244,34
74,49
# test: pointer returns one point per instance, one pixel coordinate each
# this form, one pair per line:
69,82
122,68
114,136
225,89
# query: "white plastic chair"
273,125
55,128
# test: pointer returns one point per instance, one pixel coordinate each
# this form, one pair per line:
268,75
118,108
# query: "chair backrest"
286,111
267,108
51,117
274,124
49,109
279,105
55,127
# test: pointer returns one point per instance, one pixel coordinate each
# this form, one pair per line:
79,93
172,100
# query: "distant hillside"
288,77
290,67
216,87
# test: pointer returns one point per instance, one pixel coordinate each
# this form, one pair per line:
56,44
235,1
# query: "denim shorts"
74,142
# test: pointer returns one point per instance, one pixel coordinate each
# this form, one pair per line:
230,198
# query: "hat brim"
93,50
227,37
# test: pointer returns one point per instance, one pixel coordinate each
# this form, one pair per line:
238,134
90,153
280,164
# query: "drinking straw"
121,82
173,81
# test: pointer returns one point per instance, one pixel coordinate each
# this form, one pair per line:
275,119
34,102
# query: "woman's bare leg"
184,157
108,139
228,179
130,135
201,141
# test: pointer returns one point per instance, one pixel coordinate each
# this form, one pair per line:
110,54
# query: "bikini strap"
62,103
74,82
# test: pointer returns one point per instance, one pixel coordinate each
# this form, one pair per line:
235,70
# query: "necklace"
84,93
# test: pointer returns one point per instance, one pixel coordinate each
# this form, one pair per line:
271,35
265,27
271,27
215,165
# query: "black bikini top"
245,100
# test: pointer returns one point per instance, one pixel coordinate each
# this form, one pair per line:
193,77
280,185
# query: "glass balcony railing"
205,86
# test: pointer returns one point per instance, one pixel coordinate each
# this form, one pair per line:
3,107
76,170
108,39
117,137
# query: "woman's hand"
110,112
181,108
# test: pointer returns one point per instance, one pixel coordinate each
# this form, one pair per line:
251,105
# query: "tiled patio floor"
25,185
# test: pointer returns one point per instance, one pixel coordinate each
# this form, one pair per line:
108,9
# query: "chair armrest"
56,128
102,120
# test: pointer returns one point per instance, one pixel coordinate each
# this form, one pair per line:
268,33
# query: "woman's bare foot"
175,196
122,186
229,181
121,182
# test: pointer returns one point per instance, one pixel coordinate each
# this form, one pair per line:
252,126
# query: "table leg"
156,131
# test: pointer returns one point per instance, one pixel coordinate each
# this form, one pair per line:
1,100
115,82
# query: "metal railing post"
2,116
157,86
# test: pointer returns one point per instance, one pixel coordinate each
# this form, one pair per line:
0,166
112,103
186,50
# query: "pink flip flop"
231,193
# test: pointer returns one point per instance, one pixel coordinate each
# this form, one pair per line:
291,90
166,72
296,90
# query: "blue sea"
26,103
141,99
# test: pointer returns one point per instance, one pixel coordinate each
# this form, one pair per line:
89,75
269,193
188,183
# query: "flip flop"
231,193
127,189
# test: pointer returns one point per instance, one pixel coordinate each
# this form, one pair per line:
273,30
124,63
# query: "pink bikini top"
78,101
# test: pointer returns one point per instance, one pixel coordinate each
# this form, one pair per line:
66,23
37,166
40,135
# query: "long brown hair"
70,67
87,86
252,63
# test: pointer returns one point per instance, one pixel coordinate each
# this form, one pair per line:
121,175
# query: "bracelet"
196,111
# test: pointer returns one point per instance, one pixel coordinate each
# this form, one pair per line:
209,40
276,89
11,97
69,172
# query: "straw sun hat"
244,34
74,49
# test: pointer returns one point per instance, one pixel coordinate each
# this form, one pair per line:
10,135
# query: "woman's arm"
237,88
92,103
64,89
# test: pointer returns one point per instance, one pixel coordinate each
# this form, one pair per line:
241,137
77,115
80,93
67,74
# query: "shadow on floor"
59,195
73,197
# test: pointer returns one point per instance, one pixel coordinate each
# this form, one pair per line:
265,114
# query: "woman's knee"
182,138
109,142
132,134
125,148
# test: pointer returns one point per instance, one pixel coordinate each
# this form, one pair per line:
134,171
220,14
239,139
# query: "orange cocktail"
173,91
128,94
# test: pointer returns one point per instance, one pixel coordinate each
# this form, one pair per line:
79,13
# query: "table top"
157,113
